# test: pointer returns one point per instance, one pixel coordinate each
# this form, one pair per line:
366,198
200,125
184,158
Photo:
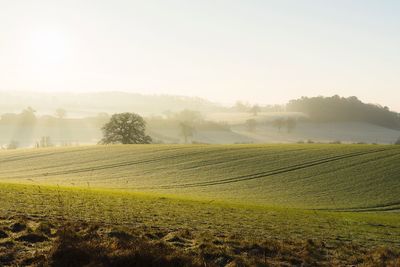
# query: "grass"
341,200
301,176
132,209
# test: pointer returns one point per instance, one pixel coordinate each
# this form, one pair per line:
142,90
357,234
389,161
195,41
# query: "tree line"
341,109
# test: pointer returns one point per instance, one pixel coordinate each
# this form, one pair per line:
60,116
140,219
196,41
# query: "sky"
225,50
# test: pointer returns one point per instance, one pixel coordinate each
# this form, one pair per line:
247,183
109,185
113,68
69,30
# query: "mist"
33,119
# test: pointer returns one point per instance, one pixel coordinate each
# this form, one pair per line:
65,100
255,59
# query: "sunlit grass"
358,177
249,221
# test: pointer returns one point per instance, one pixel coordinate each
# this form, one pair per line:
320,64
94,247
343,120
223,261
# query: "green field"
333,193
359,177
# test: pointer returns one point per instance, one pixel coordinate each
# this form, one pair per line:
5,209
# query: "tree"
187,120
189,116
45,141
61,113
25,127
397,142
27,117
13,145
125,128
291,124
251,125
255,109
278,123
187,131
241,107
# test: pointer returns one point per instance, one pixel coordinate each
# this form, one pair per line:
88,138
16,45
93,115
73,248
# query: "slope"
356,177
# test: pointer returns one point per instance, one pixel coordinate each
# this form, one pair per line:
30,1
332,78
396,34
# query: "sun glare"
47,48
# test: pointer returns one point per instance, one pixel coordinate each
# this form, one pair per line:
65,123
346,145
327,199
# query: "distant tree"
13,145
187,131
45,141
189,116
241,107
273,108
255,110
278,123
187,120
61,113
251,125
27,117
397,142
25,127
291,124
125,128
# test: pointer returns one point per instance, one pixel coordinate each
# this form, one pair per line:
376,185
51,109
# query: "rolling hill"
265,205
339,177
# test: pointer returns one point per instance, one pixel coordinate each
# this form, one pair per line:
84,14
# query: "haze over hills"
89,104
70,118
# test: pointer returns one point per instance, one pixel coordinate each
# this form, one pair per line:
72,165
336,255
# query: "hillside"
304,130
220,205
302,176
345,132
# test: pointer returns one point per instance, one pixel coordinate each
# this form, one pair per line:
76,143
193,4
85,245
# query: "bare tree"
397,142
45,141
187,131
278,123
255,110
189,116
251,125
290,124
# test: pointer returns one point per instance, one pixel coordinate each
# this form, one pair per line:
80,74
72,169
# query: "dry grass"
86,244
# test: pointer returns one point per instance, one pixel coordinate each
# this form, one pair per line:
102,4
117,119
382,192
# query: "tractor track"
268,173
39,155
122,164
391,206
61,165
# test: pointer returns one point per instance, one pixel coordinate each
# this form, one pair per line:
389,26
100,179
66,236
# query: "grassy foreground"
239,205
212,233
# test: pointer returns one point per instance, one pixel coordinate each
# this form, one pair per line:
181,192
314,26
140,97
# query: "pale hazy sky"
255,50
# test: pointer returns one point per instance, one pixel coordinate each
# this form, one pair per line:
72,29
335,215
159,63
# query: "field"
319,204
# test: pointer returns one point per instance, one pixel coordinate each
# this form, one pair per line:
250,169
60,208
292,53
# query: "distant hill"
87,104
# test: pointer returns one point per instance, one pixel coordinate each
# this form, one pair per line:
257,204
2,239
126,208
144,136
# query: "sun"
48,48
